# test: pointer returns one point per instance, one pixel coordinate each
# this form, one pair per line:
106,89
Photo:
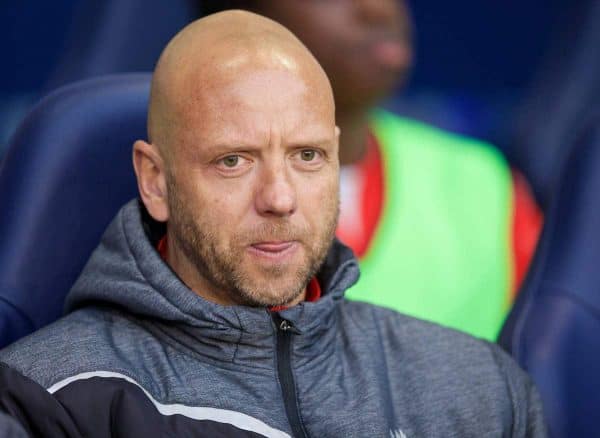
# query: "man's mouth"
277,250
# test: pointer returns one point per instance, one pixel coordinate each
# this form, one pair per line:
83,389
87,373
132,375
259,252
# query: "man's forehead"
255,88
247,129
247,66
263,91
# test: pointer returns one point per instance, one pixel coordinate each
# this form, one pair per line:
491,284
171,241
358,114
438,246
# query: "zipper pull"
286,326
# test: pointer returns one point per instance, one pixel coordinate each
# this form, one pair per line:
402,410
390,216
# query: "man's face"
253,184
364,46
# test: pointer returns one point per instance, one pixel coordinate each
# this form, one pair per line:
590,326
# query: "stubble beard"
224,268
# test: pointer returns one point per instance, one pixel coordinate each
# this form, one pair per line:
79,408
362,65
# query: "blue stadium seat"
66,173
554,328
119,36
565,91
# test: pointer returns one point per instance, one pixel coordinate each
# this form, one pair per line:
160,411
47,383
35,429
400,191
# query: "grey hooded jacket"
139,354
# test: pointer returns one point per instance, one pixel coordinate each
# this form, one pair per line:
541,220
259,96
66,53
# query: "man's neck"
354,126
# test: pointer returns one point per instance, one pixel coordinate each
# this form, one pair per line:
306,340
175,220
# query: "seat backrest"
119,36
565,91
67,171
553,330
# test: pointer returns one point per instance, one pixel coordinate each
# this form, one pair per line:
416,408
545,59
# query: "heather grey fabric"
359,370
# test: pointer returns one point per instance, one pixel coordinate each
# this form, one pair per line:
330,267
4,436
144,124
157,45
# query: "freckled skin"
243,160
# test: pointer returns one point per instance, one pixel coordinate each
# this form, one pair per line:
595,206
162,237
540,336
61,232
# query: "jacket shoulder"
441,365
416,338
85,340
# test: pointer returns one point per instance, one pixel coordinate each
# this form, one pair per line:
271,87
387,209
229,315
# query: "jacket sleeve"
27,409
11,428
527,419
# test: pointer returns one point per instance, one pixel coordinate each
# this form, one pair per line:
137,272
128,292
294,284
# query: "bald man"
215,305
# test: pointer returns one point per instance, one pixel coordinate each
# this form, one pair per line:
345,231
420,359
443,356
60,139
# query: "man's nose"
276,194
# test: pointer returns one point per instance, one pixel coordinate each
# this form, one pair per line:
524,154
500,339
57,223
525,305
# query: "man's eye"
308,154
231,160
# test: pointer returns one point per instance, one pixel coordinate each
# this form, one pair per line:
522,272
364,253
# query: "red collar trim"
161,247
313,293
313,289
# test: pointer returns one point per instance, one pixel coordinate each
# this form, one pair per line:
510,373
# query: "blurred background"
479,68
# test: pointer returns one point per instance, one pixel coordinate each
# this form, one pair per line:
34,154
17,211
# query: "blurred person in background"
441,214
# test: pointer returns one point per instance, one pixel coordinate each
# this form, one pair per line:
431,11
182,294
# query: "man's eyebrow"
223,147
240,145
324,142
302,138
310,135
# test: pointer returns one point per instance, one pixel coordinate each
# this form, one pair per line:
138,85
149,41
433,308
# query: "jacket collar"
126,273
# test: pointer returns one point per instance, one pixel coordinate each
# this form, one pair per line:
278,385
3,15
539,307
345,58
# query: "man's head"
242,160
364,46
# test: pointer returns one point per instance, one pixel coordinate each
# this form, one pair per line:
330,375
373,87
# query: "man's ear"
151,179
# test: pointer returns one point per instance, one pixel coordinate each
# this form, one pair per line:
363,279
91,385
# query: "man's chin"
274,289
265,281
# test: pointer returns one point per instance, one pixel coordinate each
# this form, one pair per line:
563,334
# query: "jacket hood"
127,273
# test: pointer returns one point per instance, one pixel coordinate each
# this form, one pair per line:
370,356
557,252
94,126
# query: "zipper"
285,332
